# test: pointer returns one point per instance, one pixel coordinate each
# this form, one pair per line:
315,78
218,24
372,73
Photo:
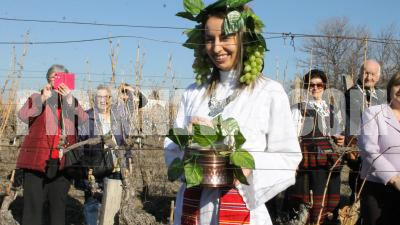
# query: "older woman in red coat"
52,117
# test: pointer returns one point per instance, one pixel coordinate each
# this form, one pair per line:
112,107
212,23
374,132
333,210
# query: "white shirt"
264,117
323,110
105,123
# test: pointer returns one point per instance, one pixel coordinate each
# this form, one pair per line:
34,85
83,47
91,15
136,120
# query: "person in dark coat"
106,159
358,98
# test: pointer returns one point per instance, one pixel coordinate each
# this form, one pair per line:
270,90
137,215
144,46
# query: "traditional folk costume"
263,114
316,121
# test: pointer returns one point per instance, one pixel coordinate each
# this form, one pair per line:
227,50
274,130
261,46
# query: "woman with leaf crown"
229,50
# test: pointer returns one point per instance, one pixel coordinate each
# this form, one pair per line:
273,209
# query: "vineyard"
340,50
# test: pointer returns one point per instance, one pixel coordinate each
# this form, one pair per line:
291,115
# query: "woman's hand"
246,173
395,182
339,139
65,92
46,92
200,121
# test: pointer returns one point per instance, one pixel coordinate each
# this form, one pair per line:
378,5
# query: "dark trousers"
38,189
379,204
354,180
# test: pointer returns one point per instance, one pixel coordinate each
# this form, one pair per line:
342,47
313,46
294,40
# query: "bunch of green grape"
201,66
253,63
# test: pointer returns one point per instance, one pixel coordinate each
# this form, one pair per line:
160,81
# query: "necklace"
217,106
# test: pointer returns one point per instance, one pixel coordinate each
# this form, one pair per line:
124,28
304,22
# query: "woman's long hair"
238,66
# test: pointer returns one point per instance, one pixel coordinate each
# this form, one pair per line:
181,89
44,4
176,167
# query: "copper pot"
216,168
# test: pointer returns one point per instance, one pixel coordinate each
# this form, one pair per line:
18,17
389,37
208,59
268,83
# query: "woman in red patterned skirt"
318,124
228,39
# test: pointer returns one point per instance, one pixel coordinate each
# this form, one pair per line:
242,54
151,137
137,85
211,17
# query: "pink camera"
66,78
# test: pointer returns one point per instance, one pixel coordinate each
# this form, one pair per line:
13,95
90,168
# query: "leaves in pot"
224,153
175,170
229,127
239,140
238,174
204,135
179,136
193,174
216,121
243,159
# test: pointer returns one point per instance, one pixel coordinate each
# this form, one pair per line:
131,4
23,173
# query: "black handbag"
106,165
72,158
52,166
98,159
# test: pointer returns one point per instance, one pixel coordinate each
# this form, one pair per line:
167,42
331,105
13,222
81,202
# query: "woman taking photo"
53,116
379,145
228,62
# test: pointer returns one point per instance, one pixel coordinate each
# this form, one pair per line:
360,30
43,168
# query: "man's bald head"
370,72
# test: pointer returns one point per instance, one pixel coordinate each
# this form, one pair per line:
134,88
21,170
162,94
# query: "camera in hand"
66,78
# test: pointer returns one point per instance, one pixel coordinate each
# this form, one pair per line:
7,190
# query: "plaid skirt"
318,153
318,158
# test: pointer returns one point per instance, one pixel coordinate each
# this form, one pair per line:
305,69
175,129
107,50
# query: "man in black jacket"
359,97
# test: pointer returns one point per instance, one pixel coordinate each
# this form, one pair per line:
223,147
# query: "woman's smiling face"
222,49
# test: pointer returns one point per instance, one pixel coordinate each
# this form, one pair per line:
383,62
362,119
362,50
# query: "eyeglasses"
318,85
102,97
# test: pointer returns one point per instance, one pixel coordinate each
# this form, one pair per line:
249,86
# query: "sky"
91,60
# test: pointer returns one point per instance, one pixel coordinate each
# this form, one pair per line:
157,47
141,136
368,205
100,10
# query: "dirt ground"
153,193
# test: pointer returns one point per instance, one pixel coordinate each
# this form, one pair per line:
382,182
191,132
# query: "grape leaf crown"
239,18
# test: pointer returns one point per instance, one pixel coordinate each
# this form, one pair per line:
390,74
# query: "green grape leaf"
233,23
236,3
229,127
175,170
261,40
253,22
239,139
242,159
238,174
179,136
193,174
216,121
186,15
224,153
221,4
204,135
195,38
193,6
249,21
